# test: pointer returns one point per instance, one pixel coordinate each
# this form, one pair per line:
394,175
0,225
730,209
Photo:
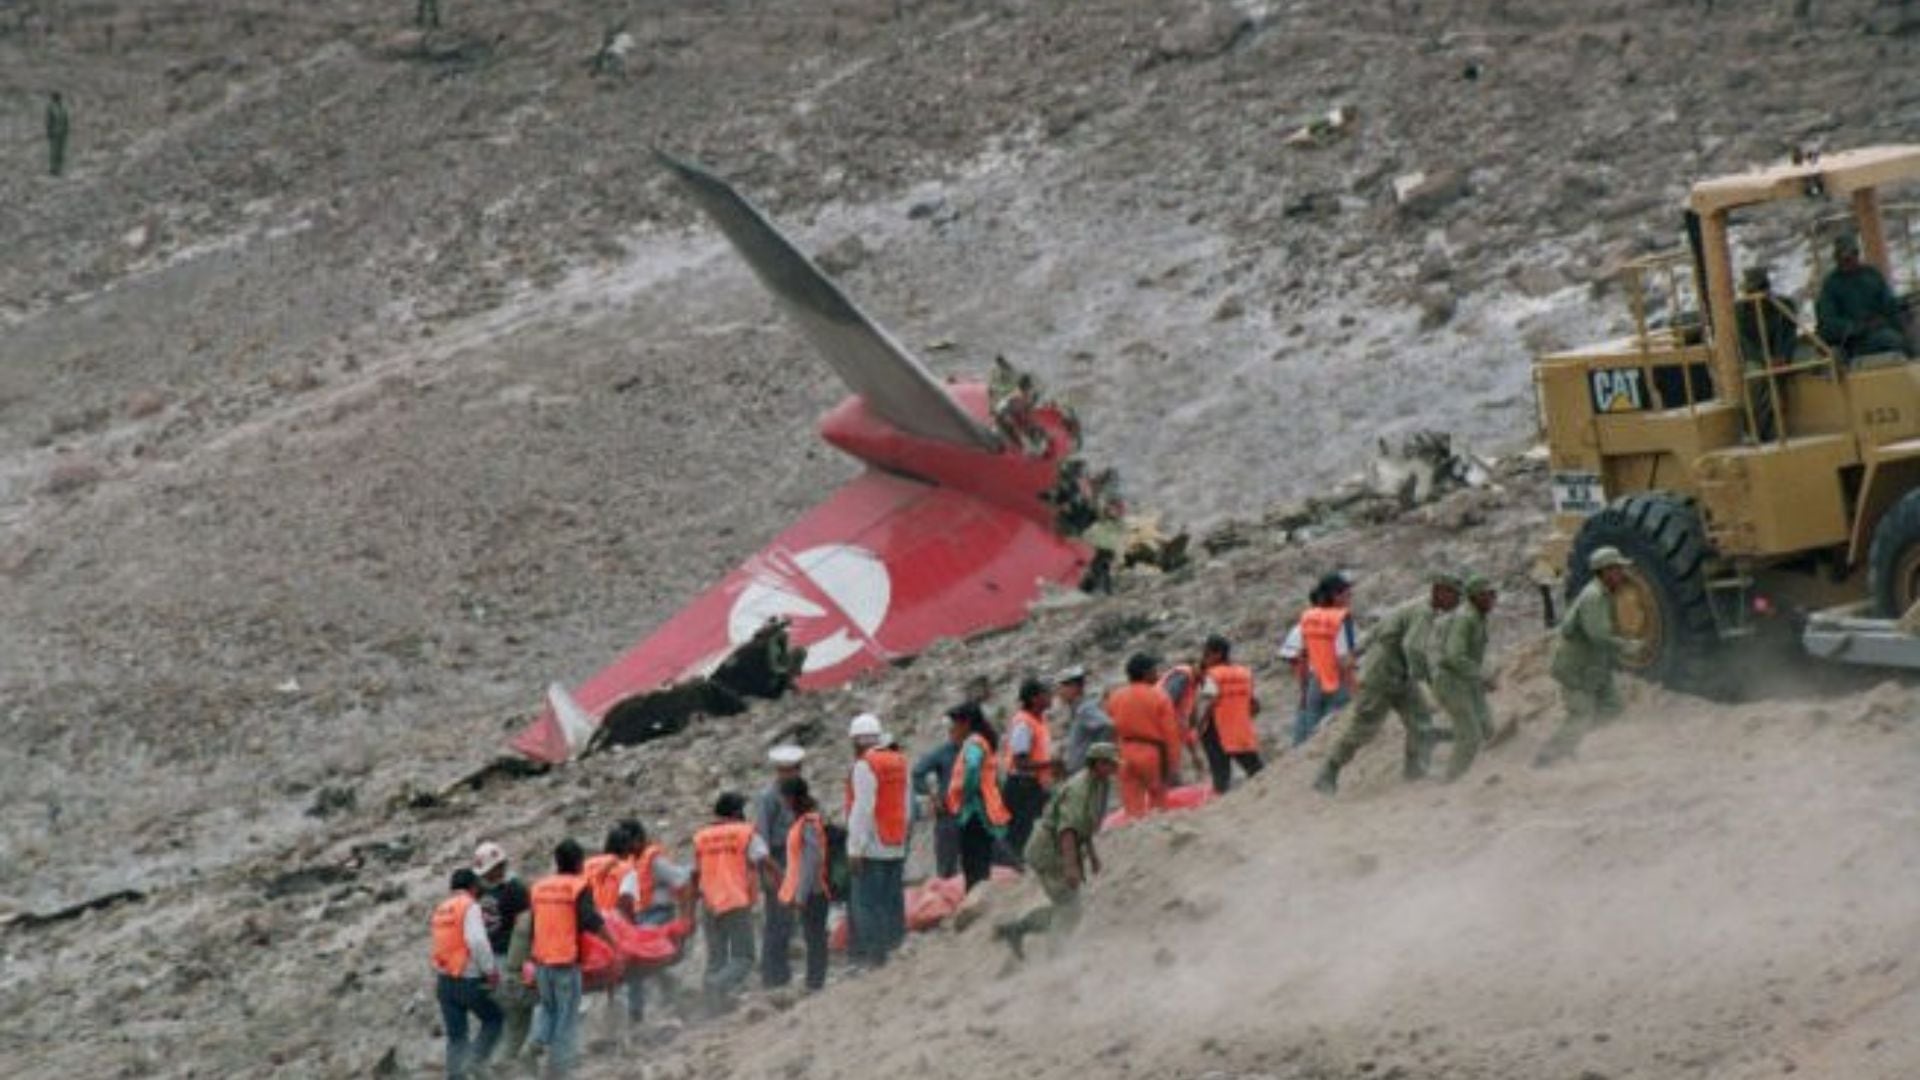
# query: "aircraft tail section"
873,364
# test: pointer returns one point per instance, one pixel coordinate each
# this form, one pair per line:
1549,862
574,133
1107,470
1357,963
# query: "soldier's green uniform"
1585,653
1857,310
58,127
1458,651
1077,806
1393,666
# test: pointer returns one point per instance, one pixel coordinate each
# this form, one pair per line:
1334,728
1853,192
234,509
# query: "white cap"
786,755
865,726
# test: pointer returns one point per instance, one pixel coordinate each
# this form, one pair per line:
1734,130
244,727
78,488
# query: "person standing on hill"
1327,644
1027,761
879,812
1087,722
1061,854
932,775
1460,679
1393,664
1150,739
803,885
59,126
562,911
464,970
729,859
1586,651
503,907
1224,714
973,793
772,819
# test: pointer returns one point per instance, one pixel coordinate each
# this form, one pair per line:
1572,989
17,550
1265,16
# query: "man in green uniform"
1584,655
1393,664
1858,312
1060,854
58,126
1460,682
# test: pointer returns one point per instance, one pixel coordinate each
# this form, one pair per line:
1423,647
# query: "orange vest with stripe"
796,839
1320,630
891,814
997,812
603,873
556,919
450,952
1233,708
726,877
1040,758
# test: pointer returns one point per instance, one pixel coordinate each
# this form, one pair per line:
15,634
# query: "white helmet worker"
488,856
865,726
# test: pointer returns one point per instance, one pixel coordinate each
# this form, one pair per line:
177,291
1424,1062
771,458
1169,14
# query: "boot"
1415,766
1329,779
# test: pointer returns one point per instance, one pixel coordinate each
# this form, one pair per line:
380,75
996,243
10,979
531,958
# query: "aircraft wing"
878,368
883,569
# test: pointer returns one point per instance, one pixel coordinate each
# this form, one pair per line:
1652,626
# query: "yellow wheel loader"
1751,461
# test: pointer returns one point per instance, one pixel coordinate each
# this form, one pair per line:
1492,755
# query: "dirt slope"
355,384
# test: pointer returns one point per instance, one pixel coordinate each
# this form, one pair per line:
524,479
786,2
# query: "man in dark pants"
931,775
973,793
730,859
772,820
803,888
464,969
1225,713
1027,762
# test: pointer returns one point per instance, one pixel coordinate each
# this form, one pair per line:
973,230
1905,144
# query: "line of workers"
1026,799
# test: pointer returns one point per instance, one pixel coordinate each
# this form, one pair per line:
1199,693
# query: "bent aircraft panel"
884,568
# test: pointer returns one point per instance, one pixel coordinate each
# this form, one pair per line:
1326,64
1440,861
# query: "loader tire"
1893,559
1665,598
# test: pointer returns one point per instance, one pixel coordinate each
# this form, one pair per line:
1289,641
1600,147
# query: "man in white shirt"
878,813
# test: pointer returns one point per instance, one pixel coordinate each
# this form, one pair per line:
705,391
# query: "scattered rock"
844,257
72,475
1208,28
329,801
145,403
1423,194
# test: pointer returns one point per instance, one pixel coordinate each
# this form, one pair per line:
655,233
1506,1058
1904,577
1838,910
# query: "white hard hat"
865,726
487,856
786,755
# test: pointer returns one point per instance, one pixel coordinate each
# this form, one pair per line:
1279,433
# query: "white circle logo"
835,595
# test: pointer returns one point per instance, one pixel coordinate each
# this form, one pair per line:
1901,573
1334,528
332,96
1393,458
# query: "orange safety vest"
603,873
450,952
726,877
1182,705
1040,758
997,812
1320,630
556,919
796,838
642,866
1233,708
891,815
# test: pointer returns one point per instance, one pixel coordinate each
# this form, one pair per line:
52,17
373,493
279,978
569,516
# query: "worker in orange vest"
879,811
1224,715
1026,760
1181,683
464,970
973,792
1149,734
562,911
729,861
804,889
603,872
1327,640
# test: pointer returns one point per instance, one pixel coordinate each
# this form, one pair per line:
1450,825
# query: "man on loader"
1859,315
